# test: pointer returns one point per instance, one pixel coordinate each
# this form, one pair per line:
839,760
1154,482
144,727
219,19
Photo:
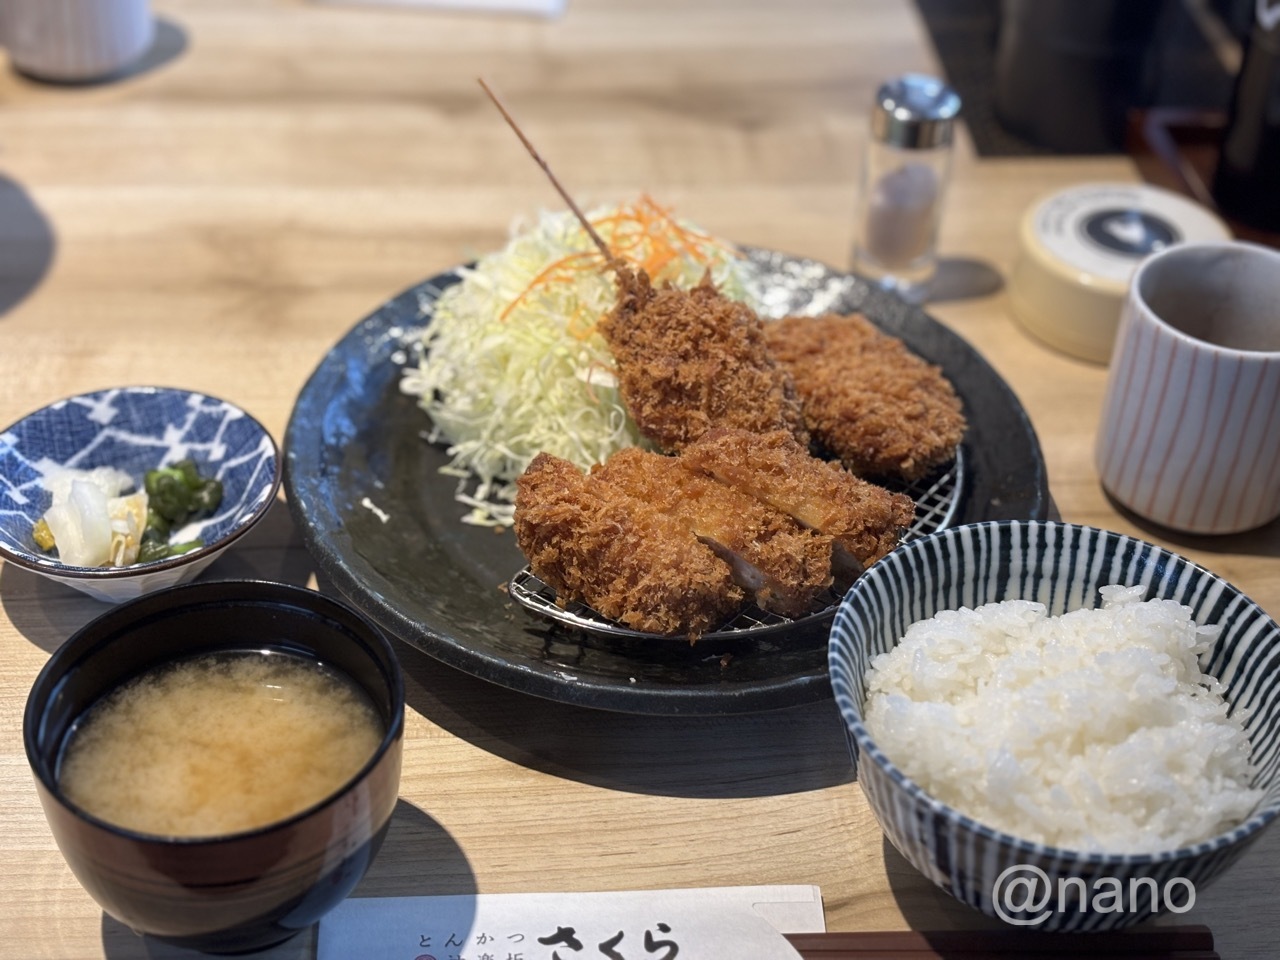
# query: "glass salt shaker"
904,179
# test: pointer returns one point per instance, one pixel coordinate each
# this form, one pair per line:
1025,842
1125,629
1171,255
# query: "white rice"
1093,731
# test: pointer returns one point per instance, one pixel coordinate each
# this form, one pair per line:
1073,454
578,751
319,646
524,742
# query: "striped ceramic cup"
1190,430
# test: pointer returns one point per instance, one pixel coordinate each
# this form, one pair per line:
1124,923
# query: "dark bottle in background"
1246,184
1067,72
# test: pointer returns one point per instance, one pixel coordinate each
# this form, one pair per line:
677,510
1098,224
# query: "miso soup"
219,743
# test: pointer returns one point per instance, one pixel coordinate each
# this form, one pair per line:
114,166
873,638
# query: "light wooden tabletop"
279,168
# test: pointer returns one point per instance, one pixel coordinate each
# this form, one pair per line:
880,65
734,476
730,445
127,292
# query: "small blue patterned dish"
1062,566
135,429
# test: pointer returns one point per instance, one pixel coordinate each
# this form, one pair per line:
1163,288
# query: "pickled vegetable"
91,524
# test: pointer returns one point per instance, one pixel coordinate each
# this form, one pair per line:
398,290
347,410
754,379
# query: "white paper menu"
627,925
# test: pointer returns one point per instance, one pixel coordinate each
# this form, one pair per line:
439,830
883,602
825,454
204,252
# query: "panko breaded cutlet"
688,361
781,564
867,398
865,521
618,554
677,545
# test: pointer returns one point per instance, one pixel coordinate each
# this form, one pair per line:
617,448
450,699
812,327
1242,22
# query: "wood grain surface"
276,169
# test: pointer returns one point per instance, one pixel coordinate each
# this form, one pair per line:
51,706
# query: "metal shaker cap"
915,112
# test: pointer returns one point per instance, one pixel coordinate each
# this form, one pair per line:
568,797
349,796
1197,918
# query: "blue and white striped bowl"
135,429
1062,566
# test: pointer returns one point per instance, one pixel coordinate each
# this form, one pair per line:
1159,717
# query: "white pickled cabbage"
81,525
128,520
57,479
92,524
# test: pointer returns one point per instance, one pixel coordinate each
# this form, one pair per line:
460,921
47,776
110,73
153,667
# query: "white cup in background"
75,40
1190,431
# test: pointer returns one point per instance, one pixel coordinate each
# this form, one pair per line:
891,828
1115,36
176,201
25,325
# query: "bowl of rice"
1063,727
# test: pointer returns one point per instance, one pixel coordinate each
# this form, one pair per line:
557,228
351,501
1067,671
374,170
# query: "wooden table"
279,168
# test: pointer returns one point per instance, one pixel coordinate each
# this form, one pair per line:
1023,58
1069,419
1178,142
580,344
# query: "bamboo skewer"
533,152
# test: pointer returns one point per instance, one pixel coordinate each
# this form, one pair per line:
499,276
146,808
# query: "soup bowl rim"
266,590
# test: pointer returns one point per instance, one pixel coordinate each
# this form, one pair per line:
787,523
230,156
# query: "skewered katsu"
618,554
666,544
781,564
867,398
691,360
865,521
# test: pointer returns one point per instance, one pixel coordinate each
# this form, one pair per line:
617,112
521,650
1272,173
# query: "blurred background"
1170,82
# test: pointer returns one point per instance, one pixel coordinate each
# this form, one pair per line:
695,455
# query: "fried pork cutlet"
783,565
690,360
872,402
864,520
617,554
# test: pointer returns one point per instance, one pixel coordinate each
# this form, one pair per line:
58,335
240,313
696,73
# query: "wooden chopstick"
1190,942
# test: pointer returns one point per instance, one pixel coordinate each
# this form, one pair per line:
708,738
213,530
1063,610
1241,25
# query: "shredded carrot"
658,263
581,325
553,269
644,234
593,368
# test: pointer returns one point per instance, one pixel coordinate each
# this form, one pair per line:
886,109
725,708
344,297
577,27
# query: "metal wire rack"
937,498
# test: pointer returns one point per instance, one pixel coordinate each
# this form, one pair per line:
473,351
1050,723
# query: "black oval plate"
364,487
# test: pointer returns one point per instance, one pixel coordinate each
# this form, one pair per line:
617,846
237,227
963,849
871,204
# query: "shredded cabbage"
512,363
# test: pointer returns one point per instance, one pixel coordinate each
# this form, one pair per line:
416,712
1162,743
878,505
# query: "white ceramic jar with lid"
1078,249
